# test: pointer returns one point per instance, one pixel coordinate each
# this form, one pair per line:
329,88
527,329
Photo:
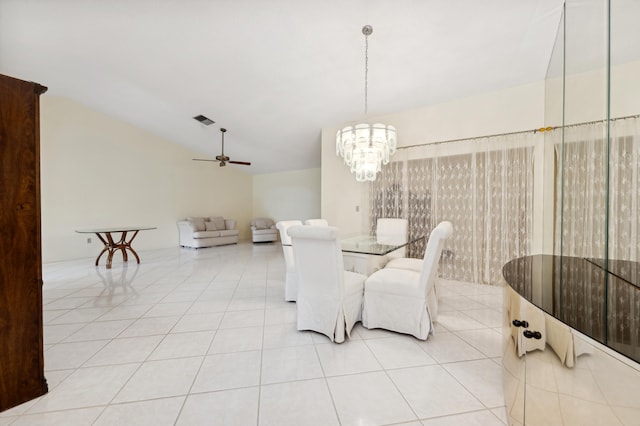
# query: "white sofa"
197,232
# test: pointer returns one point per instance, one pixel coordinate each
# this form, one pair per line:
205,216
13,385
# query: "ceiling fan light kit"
223,159
366,147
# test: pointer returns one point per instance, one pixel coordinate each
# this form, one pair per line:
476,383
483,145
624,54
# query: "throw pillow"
219,221
211,226
198,223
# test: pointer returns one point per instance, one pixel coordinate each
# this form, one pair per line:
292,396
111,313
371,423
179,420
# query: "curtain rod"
542,129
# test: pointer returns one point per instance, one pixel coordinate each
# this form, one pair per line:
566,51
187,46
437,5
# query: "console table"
111,246
571,341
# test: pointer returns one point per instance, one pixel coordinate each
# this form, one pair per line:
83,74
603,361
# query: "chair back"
317,222
282,227
392,231
318,255
432,254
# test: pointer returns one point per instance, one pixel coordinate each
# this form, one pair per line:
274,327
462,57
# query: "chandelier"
366,147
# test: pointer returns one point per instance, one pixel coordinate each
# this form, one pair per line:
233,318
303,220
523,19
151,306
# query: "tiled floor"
205,337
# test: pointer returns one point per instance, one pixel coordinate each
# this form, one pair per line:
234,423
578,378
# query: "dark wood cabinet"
21,345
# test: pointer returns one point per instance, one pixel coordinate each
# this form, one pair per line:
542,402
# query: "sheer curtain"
587,173
597,200
484,186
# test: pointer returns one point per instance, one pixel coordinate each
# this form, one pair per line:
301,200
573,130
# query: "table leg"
110,247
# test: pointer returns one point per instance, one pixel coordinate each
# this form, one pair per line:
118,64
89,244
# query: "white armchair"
291,277
404,300
329,298
263,230
392,231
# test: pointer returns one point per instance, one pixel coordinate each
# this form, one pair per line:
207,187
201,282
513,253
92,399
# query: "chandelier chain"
366,72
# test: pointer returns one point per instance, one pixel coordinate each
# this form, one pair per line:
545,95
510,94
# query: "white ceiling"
274,73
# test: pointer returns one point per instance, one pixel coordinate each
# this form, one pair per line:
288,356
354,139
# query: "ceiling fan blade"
202,159
244,163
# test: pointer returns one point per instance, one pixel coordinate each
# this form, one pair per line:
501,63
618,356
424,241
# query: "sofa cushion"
219,222
206,234
261,224
228,232
265,232
197,223
210,226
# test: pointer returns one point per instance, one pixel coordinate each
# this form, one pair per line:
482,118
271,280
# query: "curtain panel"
484,186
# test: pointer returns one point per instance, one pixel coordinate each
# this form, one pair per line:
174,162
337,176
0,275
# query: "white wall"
97,171
585,95
287,195
515,109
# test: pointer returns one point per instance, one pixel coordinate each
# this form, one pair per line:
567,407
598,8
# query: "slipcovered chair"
318,222
403,300
329,298
405,263
263,230
392,231
291,277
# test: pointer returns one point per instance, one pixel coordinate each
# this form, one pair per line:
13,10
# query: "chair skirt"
402,314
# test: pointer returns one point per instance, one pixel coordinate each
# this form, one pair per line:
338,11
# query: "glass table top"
115,229
368,244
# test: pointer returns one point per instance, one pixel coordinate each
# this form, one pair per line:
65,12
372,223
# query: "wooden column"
21,345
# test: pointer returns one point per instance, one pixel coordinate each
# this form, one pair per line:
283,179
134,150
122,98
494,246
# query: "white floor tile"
350,357
368,399
64,356
433,392
99,330
57,333
224,408
284,335
290,404
399,352
156,412
289,364
487,341
476,418
124,351
79,417
183,345
167,309
228,371
448,347
483,378
158,379
239,319
150,326
86,387
237,340
198,322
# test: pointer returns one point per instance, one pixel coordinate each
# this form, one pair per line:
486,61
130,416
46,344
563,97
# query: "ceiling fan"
223,159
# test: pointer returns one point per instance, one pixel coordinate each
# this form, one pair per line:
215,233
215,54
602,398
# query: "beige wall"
97,171
515,109
287,195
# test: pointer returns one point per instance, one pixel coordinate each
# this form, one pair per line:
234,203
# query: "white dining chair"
406,263
329,298
291,276
392,231
404,300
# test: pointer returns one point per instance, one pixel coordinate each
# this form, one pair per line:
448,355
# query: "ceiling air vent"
204,120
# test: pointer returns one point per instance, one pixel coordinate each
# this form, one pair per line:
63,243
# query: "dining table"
112,245
364,254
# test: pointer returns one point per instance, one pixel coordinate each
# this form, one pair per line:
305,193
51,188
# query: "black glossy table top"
603,304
